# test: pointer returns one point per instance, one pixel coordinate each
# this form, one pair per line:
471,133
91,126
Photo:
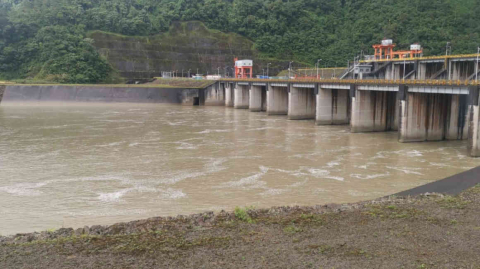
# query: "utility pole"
267,68
263,72
189,73
197,71
404,68
182,73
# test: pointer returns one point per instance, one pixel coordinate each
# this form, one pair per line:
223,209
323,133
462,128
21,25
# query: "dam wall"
98,93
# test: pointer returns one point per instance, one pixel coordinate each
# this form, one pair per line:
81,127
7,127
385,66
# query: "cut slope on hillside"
186,46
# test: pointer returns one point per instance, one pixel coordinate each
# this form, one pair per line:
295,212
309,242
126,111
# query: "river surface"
70,165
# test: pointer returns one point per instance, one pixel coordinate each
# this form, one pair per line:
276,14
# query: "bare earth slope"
430,231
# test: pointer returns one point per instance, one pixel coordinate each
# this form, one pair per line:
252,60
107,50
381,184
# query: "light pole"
182,73
218,71
267,68
318,62
403,68
289,69
476,66
322,70
335,69
197,71
189,73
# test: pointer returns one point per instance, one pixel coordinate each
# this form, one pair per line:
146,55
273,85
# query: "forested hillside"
47,39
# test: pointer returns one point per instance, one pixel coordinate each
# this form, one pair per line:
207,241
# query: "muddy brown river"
70,165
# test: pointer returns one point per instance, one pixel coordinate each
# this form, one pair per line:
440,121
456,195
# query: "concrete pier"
2,91
215,95
457,120
474,123
277,100
301,103
332,107
373,111
433,117
258,96
229,94
241,97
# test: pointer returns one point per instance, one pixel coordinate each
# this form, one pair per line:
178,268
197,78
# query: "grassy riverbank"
430,231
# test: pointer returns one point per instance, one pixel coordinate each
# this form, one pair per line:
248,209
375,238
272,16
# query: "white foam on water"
273,192
24,189
187,146
176,123
335,178
406,170
370,176
251,182
172,194
215,165
318,172
113,196
208,131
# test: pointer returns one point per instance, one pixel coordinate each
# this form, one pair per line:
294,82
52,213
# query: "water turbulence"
82,164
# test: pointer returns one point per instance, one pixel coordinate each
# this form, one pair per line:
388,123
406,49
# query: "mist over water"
80,164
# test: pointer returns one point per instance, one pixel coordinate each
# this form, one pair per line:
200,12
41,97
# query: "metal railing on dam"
363,81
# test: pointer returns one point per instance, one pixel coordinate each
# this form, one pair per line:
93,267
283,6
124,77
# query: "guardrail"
423,58
365,81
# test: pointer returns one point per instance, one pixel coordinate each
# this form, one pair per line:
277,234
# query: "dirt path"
433,231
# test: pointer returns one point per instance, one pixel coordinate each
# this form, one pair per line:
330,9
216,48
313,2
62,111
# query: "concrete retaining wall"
101,94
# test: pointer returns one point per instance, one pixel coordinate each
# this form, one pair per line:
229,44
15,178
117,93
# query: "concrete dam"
418,110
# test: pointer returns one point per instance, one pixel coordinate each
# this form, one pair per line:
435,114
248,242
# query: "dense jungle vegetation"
46,39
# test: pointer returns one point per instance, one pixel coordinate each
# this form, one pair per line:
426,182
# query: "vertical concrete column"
277,100
474,123
332,107
301,103
255,98
423,117
422,71
457,119
229,95
264,98
214,95
241,98
372,111
2,92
